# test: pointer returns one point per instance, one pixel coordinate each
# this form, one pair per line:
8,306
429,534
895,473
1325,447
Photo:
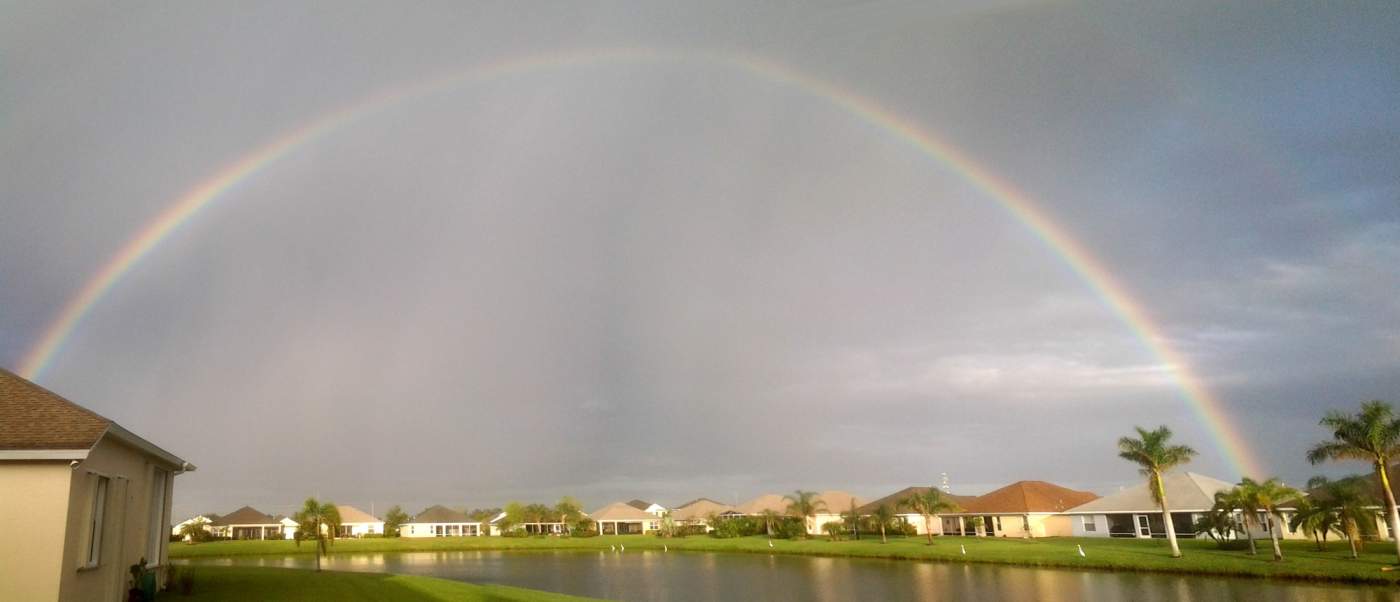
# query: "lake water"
692,576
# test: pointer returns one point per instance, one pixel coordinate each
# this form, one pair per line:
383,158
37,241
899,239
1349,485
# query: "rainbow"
1206,407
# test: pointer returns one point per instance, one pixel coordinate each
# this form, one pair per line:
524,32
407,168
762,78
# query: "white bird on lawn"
963,548
665,548
1081,550
614,547
770,543
624,548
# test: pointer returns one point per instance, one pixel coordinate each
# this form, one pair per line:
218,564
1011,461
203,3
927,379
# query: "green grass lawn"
1302,561
250,583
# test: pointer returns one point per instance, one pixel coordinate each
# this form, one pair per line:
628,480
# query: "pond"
693,576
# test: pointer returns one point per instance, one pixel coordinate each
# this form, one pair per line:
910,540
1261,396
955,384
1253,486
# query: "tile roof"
767,501
894,500
620,511
441,514
699,508
246,515
1186,491
1028,496
32,417
839,501
351,514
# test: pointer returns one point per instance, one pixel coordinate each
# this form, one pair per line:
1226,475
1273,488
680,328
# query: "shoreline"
1302,563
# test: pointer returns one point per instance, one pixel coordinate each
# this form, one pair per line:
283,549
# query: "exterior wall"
818,520
33,526
1078,527
362,529
127,526
430,529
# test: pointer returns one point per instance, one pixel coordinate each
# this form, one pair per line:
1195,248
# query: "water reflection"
684,577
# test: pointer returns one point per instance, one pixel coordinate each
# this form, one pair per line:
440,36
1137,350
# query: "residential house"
1021,509
355,522
697,512
81,498
202,520
656,510
896,502
1134,511
768,502
623,518
250,523
836,504
440,521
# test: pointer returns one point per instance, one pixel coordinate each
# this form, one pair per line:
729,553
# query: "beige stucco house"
697,512
440,521
1021,509
81,498
897,503
355,522
250,523
622,518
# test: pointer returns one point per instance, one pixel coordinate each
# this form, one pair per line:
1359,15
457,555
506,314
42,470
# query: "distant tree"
1153,452
317,518
833,530
1349,501
883,516
1266,497
1216,524
516,515
928,504
483,514
1371,435
805,505
194,532
569,511
393,520
852,519
1233,502
770,518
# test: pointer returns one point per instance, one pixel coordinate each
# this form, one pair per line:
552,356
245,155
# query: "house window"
156,535
99,510
1089,523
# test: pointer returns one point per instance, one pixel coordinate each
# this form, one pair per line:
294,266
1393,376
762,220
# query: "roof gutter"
132,439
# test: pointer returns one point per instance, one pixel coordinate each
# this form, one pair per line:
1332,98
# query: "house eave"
43,454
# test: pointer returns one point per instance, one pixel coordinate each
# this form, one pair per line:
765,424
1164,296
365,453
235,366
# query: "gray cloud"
667,280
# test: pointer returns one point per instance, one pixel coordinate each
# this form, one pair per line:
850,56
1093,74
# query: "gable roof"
699,508
1028,496
440,514
351,514
35,422
1186,492
620,511
246,515
767,501
32,417
639,504
896,499
839,501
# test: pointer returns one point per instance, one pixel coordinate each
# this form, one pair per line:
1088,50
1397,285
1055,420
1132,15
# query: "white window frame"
97,521
155,537
1089,524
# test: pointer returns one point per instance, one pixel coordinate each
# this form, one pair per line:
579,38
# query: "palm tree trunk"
928,528
1390,506
882,534
1249,537
1167,516
1352,540
1273,535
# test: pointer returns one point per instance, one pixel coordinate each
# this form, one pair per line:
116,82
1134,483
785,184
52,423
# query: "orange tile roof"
1028,496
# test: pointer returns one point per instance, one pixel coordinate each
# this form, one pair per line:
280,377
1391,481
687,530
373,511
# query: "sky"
676,277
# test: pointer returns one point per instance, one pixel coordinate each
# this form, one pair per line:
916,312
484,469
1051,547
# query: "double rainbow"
1206,407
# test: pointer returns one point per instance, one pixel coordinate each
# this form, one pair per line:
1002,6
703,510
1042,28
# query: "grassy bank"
1301,561
213,584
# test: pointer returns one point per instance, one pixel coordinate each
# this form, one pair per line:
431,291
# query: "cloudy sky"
676,277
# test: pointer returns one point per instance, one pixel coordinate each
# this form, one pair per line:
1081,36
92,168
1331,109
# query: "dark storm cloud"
668,281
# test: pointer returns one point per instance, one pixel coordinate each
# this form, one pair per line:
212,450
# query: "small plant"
137,591
180,579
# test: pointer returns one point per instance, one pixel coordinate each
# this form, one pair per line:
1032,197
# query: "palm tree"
770,517
569,511
193,532
1153,452
1372,435
1233,501
805,505
1316,519
833,529
852,519
318,517
1216,524
1349,502
929,503
1265,497
883,516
